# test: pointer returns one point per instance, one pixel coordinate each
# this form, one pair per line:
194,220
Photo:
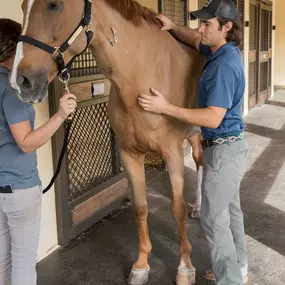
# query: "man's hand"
153,103
167,24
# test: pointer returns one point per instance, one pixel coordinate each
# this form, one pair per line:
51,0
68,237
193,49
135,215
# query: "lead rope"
68,122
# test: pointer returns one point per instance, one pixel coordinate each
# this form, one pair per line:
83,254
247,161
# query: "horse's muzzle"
33,85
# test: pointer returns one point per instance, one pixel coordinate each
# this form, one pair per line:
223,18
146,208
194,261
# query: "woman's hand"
167,24
30,140
67,105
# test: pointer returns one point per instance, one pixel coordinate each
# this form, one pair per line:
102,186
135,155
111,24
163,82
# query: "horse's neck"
123,63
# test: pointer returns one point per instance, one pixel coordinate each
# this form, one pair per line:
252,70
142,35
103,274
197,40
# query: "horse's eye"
55,6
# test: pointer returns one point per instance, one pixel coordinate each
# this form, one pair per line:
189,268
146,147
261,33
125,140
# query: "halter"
58,52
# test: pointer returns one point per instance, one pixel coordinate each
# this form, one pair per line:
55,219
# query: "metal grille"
252,79
92,151
84,64
253,27
176,10
263,76
240,5
270,29
264,30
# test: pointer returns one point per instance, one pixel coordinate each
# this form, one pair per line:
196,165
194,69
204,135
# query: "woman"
20,185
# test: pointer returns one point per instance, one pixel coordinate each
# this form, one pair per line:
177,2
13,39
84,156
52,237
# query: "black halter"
57,52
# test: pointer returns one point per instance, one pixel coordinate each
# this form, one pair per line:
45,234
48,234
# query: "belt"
222,140
4,189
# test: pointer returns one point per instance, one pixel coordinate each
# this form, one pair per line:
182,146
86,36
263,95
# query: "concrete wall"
279,71
11,10
152,4
48,240
193,6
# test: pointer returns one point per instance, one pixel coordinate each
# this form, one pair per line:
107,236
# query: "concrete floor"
104,254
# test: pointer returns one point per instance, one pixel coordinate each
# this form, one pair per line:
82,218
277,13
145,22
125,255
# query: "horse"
135,55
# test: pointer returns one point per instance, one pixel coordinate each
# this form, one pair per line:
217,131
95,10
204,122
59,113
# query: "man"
221,91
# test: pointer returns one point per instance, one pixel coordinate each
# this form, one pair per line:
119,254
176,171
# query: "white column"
246,56
193,5
279,44
273,48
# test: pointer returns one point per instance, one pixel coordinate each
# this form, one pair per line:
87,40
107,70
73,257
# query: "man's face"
211,33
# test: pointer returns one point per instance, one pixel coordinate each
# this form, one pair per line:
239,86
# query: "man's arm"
187,36
210,117
183,34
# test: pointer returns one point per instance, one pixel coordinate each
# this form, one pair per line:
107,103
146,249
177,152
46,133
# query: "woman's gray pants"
20,218
221,214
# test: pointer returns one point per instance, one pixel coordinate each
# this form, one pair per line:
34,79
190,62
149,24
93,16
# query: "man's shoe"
209,275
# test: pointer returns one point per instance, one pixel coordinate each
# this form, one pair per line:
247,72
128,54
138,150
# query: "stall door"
265,28
270,51
253,52
92,182
176,10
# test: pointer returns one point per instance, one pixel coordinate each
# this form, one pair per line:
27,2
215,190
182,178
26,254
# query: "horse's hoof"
195,214
138,276
186,276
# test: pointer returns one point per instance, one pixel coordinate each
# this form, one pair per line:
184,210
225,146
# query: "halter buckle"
57,50
89,27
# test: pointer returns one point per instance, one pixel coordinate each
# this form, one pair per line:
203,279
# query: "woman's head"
9,34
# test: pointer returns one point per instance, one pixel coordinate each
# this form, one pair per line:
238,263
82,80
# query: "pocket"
218,154
213,157
210,176
39,191
241,148
26,197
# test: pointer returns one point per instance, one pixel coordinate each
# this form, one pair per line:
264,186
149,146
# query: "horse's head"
50,22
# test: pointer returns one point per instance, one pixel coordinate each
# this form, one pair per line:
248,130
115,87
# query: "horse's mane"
134,12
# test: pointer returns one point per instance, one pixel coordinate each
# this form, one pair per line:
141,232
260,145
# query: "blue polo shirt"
222,85
17,168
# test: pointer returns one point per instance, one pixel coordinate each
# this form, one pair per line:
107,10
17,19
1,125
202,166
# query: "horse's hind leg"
197,152
134,165
175,162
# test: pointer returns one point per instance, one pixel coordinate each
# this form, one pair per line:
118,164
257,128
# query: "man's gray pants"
221,214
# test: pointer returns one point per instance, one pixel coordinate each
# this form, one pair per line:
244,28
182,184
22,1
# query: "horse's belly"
144,132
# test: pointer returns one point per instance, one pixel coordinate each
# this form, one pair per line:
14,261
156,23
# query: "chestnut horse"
135,55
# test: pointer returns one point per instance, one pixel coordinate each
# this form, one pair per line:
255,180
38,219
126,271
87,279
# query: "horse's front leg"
175,161
134,165
197,152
